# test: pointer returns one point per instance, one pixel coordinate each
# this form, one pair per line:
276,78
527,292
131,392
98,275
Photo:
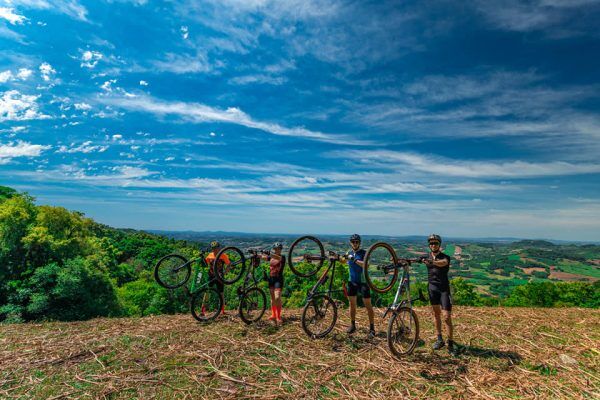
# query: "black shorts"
440,296
276,282
217,284
355,288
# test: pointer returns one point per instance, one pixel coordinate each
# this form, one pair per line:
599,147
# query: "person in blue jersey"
355,259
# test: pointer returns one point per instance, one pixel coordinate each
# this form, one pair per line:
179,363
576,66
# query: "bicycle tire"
315,305
253,300
396,333
378,282
311,268
164,268
230,274
209,307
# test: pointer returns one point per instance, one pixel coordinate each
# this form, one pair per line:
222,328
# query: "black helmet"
277,245
434,238
355,237
214,244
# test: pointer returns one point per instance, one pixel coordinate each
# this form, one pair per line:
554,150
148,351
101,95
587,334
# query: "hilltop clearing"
506,353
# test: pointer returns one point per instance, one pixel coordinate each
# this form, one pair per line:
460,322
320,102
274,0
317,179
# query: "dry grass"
507,353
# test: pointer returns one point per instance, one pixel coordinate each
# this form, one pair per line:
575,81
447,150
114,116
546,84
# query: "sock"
353,323
440,337
372,327
273,313
278,310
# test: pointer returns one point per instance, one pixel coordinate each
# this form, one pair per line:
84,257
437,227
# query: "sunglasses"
434,243
355,241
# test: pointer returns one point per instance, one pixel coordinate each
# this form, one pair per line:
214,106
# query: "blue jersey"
355,270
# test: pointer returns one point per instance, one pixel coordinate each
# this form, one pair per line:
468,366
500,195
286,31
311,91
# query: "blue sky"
464,118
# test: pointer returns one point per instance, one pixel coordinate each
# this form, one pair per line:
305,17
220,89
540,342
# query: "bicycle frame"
250,281
403,287
197,273
333,258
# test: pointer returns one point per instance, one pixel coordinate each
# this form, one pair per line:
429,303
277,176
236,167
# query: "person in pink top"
276,265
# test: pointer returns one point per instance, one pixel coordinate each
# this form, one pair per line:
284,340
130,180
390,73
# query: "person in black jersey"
438,265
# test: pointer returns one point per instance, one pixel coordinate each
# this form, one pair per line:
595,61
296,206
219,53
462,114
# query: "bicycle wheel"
206,304
306,256
252,305
403,331
319,316
380,273
172,271
230,265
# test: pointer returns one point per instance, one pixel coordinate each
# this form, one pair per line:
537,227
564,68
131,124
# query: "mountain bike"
174,270
320,312
253,301
381,267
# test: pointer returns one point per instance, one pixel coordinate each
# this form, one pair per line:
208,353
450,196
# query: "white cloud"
89,58
117,137
9,15
85,147
184,32
72,8
15,106
258,78
107,86
20,149
5,76
183,64
46,71
82,106
143,83
24,73
201,113
441,166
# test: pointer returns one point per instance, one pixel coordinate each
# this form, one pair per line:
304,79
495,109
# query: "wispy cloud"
72,8
201,113
470,169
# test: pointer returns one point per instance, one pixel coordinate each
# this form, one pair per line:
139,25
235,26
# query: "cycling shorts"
276,282
440,296
355,288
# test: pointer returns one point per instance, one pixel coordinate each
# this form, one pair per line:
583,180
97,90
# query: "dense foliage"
57,264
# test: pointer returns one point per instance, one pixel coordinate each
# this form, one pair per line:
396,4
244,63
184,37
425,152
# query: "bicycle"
320,312
174,270
253,301
381,272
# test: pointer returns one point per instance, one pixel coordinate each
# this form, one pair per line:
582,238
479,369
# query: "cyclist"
355,257
438,265
215,247
276,265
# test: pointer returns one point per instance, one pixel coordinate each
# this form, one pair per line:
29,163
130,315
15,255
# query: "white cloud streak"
469,169
201,113
9,14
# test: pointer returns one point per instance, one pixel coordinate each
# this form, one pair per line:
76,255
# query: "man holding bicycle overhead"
438,265
355,259
276,264
215,247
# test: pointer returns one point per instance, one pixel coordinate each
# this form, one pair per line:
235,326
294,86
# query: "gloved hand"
349,257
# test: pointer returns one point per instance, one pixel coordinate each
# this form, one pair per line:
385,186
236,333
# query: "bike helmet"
434,238
277,245
355,237
215,244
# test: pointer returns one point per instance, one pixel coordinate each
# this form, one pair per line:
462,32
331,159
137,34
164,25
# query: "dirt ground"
504,353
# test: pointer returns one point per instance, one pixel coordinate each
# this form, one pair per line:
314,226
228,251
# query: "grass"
505,353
